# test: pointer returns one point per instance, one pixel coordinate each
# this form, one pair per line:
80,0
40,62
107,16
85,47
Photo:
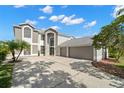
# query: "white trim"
94,55
67,51
47,50
25,39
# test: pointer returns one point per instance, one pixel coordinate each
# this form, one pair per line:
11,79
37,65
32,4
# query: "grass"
121,62
6,75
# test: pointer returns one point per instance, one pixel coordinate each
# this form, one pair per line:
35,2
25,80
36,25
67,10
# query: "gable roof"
42,31
61,34
51,30
85,41
22,24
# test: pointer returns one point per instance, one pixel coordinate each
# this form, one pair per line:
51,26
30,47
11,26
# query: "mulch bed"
109,67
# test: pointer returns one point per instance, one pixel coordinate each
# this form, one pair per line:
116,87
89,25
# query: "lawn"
6,75
121,62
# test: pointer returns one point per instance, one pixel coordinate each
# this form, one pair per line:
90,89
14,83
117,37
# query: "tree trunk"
105,53
19,54
13,54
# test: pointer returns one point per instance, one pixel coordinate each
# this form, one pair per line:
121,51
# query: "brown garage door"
81,52
63,51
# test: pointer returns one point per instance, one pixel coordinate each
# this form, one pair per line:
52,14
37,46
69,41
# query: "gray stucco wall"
18,33
35,37
34,49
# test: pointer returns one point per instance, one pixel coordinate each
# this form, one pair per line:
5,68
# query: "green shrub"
2,56
3,51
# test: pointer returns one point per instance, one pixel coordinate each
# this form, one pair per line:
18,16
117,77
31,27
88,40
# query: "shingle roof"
85,41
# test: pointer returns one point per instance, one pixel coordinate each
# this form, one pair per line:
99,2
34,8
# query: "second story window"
51,41
27,32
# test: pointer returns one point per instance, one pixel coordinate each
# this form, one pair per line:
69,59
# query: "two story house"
51,42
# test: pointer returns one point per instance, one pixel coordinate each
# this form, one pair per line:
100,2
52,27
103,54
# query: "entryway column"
54,44
46,45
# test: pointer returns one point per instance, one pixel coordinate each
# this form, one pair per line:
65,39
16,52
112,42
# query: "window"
27,51
27,32
51,41
51,50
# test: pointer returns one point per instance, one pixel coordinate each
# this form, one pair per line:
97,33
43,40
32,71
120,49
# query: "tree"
118,37
22,45
102,39
112,37
13,46
17,45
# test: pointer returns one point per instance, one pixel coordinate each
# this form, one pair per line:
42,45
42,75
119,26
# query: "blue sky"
74,20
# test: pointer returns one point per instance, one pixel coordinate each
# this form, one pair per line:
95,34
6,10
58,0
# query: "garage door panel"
81,52
63,51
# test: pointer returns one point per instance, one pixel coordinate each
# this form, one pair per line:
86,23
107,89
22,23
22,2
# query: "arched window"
27,32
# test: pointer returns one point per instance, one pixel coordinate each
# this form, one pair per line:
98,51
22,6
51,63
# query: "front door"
52,51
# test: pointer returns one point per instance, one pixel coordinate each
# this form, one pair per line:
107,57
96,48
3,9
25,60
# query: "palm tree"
13,46
17,45
22,45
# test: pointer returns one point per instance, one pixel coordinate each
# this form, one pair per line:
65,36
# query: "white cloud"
19,6
55,27
47,9
118,7
64,6
56,18
67,20
70,20
32,22
90,24
42,17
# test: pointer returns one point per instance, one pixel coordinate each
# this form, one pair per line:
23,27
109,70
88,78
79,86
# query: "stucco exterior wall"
18,33
99,54
34,49
35,37
41,42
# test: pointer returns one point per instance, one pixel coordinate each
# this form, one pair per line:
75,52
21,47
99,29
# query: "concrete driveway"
61,72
